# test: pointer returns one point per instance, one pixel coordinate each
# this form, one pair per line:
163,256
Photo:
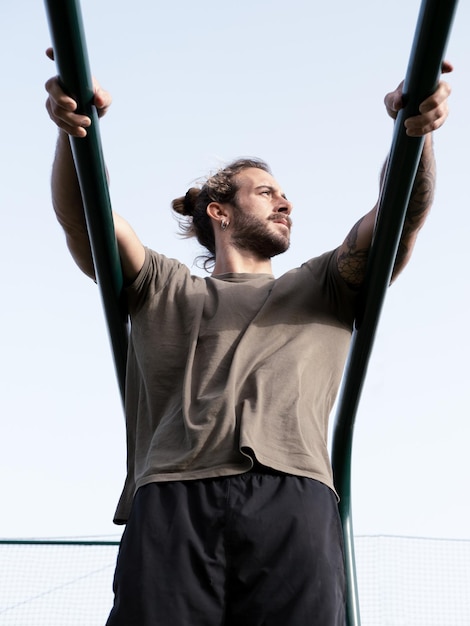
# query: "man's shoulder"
160,274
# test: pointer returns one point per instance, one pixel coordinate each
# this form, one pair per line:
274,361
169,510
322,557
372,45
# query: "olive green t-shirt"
233,367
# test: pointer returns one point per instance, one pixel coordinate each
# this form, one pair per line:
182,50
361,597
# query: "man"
229,503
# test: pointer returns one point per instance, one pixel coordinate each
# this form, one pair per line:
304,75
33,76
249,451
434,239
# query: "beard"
254,235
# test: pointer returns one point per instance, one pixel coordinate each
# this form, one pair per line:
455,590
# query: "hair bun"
187,203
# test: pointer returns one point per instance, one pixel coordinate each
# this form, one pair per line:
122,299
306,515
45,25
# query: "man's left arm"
353,253
419,206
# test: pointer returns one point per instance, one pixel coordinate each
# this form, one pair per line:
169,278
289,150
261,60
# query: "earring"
224,225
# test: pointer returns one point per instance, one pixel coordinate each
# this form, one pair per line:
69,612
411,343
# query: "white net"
56,583
409,581
403,581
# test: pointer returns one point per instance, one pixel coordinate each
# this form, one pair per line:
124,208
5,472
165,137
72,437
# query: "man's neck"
236,261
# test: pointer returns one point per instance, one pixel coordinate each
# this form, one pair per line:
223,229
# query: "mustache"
275,217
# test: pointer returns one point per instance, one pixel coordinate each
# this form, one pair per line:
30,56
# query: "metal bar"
70,52
429,44
424,67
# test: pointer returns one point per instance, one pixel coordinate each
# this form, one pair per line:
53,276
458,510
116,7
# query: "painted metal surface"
428,49
422,75
70,53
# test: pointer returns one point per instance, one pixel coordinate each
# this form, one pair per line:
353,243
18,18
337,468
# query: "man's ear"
218,212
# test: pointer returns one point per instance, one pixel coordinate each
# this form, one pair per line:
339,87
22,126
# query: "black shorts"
256,549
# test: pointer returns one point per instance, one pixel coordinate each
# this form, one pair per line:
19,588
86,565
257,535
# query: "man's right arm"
68,206
66,196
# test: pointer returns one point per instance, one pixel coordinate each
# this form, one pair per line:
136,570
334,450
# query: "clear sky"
196,84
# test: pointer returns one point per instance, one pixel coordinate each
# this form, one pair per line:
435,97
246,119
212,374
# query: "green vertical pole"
427,53
68,40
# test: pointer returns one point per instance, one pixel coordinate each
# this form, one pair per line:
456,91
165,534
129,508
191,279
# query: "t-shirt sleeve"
152,278
341,297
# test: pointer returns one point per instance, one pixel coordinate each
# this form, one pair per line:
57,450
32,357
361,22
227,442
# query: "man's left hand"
433,111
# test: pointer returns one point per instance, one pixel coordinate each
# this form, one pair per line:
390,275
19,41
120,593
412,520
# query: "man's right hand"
61,107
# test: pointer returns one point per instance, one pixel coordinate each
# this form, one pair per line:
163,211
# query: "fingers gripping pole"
68,39
427,53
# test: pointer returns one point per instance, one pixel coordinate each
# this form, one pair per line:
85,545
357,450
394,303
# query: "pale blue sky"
300,84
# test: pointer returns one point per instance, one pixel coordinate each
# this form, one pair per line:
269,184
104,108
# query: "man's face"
261,220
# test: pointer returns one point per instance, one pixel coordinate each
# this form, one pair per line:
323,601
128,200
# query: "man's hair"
219,187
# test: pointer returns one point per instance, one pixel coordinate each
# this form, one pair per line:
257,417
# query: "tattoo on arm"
421,199
352,260
354,252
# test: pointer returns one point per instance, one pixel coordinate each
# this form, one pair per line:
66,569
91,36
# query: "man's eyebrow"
271,188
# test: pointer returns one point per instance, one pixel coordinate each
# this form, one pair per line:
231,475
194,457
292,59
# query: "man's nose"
284,206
